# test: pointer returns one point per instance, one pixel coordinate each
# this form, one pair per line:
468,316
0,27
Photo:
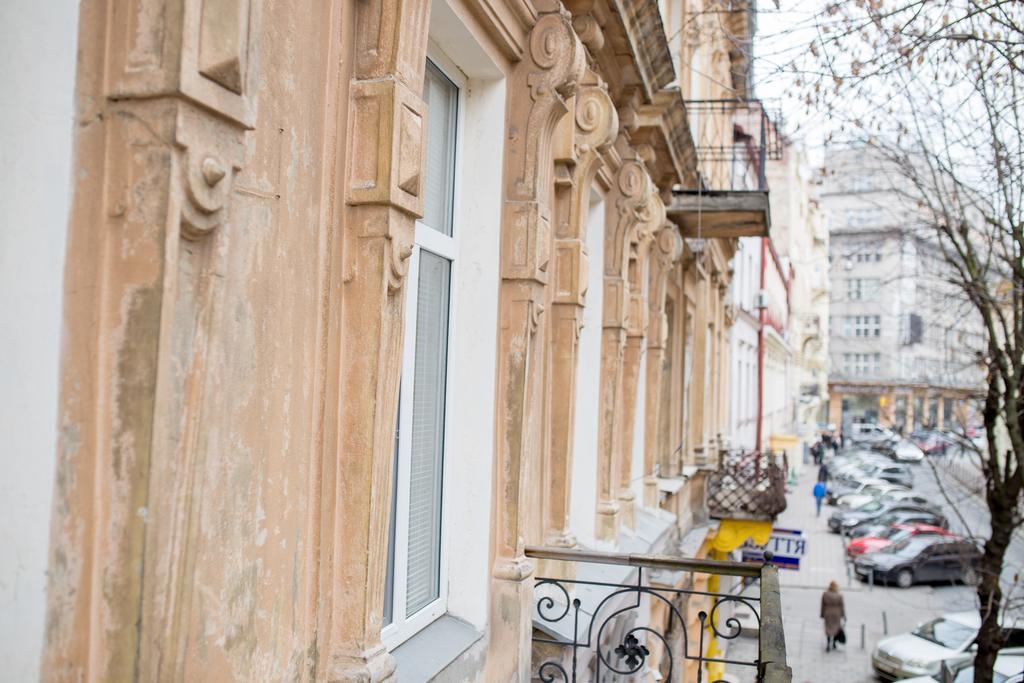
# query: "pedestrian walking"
819,495
817,452
834,614
823,473
828,442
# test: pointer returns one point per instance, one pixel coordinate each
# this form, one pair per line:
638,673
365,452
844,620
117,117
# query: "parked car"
895,473
884,491
901,517
874,540
1009,668
839,488
906,451
932,442
921,559
869,433
844,521
922,651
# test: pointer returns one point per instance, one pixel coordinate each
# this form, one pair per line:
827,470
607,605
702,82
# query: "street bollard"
885,623
862,636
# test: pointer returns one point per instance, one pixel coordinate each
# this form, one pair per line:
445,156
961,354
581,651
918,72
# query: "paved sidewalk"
871,610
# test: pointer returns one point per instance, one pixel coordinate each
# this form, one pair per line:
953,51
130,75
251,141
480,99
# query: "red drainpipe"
762,318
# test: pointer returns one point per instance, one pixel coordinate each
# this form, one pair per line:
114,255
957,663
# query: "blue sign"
786,545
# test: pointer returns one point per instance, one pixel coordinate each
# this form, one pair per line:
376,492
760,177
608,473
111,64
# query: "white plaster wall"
743,345
470,439
588,377
37,75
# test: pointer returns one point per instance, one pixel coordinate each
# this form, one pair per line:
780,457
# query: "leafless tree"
934,87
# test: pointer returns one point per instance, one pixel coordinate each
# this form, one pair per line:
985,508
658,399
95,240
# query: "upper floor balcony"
734,139
747,485
621,617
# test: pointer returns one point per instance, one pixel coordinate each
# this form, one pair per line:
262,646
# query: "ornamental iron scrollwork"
588,630
747,485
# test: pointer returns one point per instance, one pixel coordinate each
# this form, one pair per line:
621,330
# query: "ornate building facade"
363,304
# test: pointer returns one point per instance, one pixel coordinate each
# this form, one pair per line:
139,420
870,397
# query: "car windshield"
896,535
946,633
870,506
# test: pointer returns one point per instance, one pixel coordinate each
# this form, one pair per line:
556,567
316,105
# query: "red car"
893,534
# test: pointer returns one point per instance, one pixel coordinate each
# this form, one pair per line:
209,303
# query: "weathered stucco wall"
37,70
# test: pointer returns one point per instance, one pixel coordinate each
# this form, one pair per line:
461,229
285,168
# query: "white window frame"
402,626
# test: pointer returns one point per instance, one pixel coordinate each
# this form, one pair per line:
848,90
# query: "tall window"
416,590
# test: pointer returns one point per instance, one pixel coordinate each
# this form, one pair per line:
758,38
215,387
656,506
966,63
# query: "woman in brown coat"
833,613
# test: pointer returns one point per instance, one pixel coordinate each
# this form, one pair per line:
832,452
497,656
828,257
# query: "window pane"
427,437
441,97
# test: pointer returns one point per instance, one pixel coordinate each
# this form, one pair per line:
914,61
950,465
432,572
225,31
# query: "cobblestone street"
872,612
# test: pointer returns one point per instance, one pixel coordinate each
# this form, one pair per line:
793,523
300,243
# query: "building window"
861,289
415,591
862,364
862,326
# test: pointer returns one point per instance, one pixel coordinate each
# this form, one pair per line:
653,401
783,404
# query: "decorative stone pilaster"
628,200
383,180
550,72
583,137
159,139
667,250
699,398
636,330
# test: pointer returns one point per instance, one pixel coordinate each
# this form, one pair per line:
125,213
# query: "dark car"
921,559
899,517
844,521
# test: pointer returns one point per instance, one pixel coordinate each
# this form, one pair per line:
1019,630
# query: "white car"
867,493
870,433
1009,668
922,651
907,451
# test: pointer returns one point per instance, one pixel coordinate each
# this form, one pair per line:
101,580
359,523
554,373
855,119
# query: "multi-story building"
780,301
902,338
800,235
383,323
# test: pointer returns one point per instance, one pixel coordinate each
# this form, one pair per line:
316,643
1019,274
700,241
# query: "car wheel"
971,577
905,578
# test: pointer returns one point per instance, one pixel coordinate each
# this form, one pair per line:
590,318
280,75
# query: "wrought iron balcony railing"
591,629
734,140
747,485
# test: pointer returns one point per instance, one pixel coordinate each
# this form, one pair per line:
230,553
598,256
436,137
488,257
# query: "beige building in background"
365,303
800,234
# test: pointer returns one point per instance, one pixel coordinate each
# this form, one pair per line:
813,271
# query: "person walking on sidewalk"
819,495
834,614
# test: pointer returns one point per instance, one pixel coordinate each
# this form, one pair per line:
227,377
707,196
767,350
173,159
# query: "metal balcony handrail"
733,138
667,562
576,617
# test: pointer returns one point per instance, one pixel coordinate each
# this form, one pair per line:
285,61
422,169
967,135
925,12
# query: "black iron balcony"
747,485
734,140
592,629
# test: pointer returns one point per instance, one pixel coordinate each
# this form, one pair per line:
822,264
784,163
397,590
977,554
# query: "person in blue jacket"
819,495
